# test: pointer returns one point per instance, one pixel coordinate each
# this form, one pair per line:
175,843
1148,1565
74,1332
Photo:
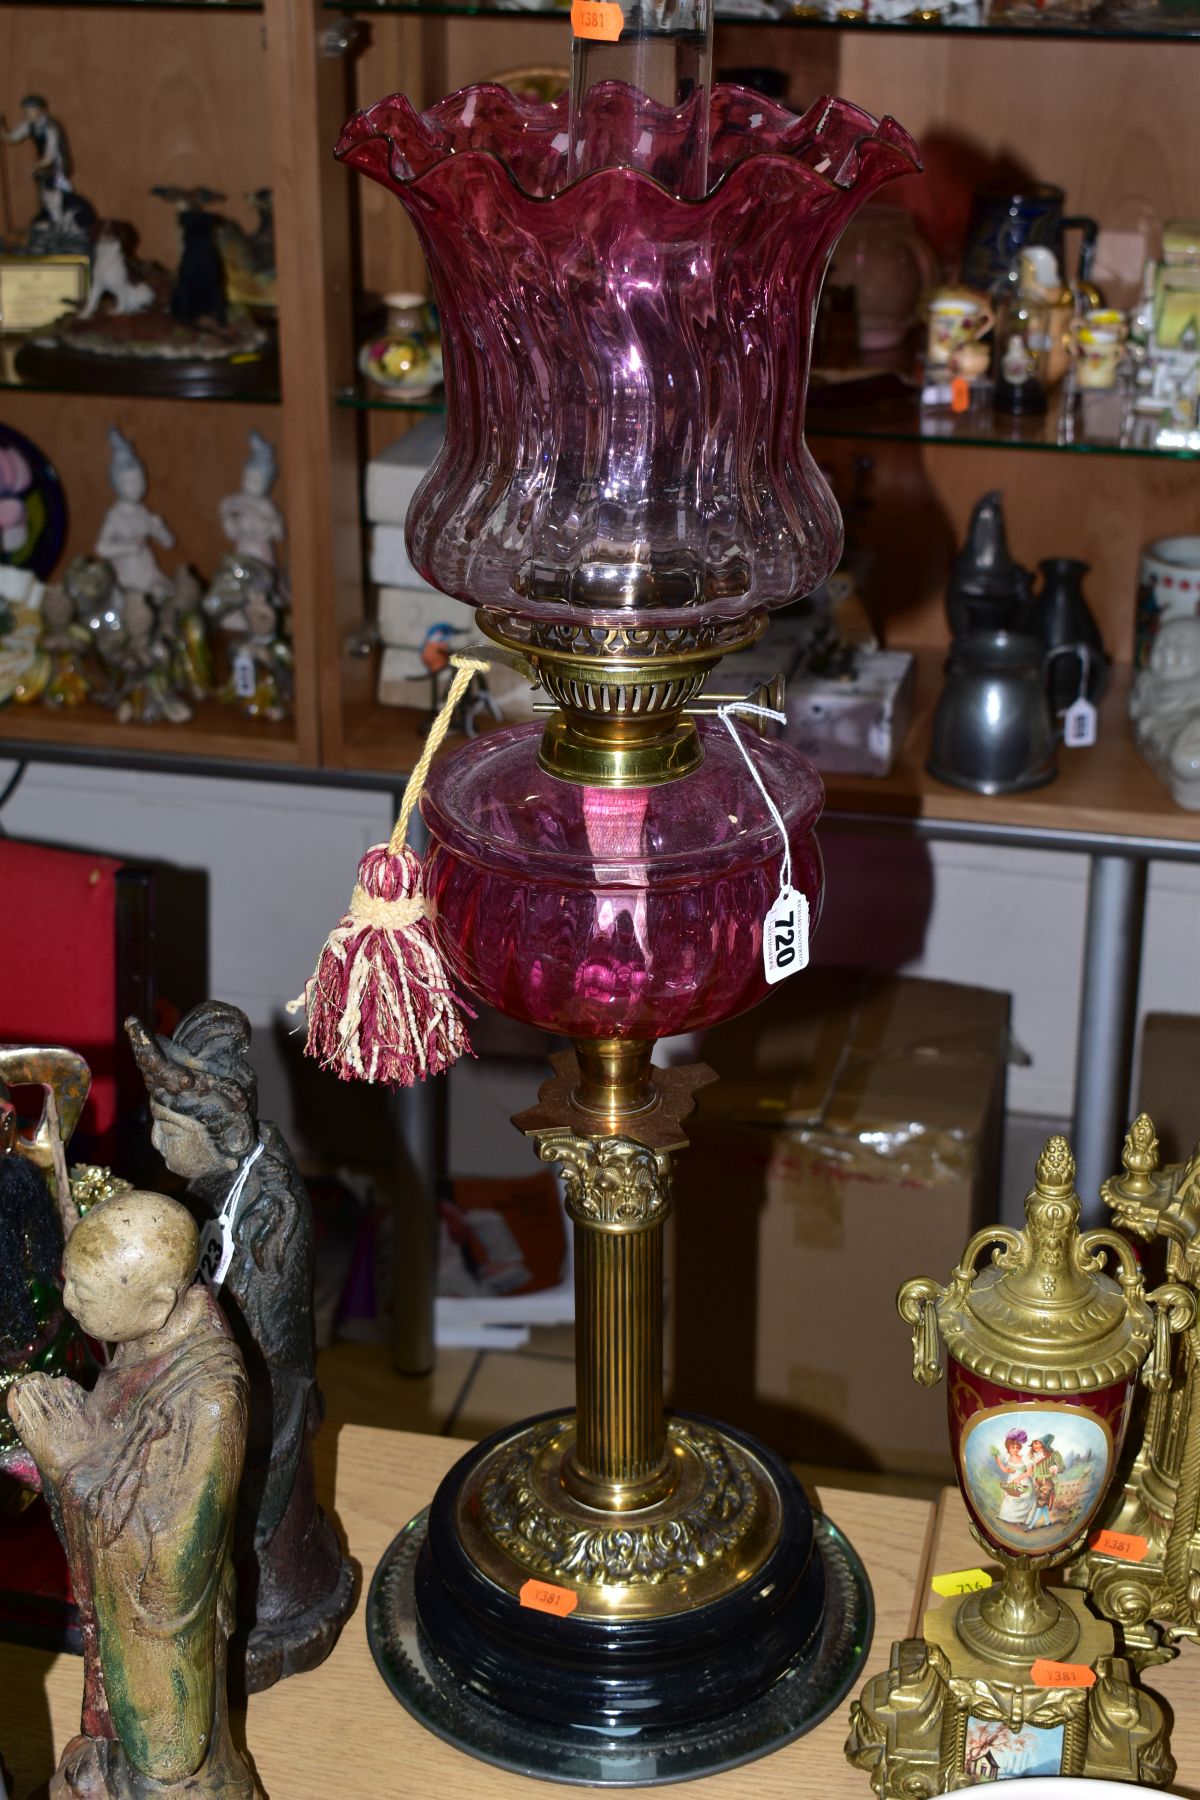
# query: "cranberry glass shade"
625,370
622,912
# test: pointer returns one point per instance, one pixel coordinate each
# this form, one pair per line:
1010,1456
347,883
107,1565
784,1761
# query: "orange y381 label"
1126,1546
1061,1675
597,19
543,1596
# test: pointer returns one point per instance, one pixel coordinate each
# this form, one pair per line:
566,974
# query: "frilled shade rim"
835,145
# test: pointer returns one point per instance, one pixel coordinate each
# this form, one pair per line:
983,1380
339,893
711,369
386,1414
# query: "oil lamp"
627,283
1043,1350
1139,1570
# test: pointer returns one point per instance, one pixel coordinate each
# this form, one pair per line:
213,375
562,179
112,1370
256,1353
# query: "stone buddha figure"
142,1477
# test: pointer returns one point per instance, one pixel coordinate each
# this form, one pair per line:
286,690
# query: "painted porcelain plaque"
999,1752
1035,1473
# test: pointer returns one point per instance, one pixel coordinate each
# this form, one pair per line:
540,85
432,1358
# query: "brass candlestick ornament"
1142,1570
1043,1351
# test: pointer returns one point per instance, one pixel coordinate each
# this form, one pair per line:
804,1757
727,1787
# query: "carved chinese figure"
294,1588
141,1475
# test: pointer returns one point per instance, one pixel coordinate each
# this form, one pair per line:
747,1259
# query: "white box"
390,566
406,614
395,474
853,727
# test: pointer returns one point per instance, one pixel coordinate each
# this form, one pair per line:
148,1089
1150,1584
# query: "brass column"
618,1196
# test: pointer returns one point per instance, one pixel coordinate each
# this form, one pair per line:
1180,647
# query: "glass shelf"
364,399
1086,428
1094,424
1151,25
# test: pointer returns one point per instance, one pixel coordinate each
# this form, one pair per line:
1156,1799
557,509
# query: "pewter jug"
994,731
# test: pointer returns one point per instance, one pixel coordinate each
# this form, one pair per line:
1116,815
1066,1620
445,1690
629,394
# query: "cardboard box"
1169,1081
852,1142
390,565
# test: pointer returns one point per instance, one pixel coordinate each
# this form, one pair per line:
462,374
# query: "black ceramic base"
620,1703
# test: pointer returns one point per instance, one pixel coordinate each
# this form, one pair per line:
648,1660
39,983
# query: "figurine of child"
250,519
129,526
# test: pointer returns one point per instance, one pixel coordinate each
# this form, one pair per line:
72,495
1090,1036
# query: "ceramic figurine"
53,163
161,333
248,257
233,580
63,225
199,291
148,693
261,680
142,1477
98,604
128,528
66,644
1164,709
250,519
294,1588
184,631
111,278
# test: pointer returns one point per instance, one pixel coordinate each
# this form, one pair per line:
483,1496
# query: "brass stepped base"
703,1539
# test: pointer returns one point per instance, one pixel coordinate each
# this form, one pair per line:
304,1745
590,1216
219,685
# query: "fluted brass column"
618,1195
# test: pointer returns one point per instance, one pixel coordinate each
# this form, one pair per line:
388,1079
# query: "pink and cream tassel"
379,1002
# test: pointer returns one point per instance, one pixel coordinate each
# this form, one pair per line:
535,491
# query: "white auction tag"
216,1254
1079,725
785,935
244,682
216,1240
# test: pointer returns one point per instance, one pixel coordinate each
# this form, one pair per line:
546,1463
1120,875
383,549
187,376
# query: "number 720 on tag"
785,936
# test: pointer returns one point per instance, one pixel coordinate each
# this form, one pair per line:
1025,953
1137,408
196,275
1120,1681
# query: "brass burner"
621,691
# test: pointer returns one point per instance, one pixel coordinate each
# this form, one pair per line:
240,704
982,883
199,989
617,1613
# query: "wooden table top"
338,1731
1178,1682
